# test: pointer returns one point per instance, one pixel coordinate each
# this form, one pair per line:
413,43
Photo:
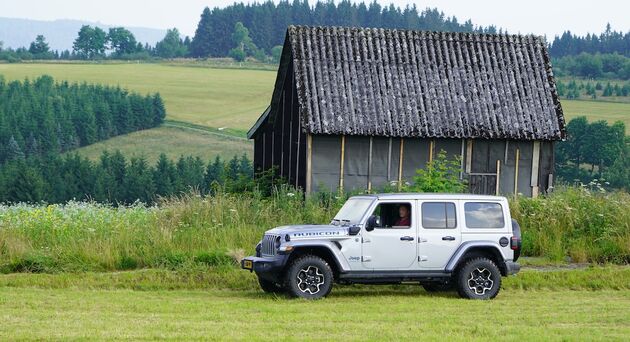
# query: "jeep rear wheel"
479,278
309,277
269,286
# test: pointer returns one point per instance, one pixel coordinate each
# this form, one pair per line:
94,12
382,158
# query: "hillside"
60,34
205,96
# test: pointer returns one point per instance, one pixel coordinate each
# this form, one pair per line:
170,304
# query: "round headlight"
278,242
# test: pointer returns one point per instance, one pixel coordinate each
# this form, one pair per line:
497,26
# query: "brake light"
515,243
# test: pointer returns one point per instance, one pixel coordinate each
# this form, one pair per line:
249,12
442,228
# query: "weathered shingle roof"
423,84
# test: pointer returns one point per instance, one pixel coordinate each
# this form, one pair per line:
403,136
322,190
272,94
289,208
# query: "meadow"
173,139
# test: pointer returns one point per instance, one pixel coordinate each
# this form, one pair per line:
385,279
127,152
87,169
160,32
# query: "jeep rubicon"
444,242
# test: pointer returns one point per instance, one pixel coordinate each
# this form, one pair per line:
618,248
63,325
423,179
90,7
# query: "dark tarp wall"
325,162
356,163
380,159
415,156
452,147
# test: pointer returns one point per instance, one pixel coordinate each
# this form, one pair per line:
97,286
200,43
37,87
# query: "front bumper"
512,267
269,268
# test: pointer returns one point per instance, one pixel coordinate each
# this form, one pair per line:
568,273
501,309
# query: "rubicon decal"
323,233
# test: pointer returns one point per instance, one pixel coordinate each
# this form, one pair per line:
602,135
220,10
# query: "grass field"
173,141
201,95
597,110
369,313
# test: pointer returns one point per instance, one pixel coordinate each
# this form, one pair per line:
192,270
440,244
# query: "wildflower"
290,194
233,210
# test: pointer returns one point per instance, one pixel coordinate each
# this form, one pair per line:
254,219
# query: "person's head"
403,210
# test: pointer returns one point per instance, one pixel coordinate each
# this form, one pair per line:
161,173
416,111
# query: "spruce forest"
41,117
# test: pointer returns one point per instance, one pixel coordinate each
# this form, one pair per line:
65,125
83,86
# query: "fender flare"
468,245
339,258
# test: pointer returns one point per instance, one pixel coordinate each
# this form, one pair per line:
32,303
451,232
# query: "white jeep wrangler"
444,242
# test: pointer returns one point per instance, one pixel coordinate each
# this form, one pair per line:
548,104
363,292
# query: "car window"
436,215
484,215
394,215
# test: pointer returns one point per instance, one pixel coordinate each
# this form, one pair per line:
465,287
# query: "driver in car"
404,220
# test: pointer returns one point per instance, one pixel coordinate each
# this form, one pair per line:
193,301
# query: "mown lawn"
369,313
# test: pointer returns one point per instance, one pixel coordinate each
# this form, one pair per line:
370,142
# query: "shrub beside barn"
357,108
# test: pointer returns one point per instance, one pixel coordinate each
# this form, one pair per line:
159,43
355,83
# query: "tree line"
594,150
593,66
267,22
607,42
116,179
93,43
592,90
40,117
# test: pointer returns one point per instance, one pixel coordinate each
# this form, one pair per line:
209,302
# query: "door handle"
406,238
448,238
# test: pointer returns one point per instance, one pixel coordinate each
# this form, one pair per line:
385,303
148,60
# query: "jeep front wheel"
309,277
479,278
269,286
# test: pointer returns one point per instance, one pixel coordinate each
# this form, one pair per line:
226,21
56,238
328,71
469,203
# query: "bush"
440,175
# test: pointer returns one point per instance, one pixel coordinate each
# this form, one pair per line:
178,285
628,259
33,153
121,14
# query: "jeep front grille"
269,245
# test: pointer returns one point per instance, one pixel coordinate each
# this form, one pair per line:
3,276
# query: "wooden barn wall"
357,174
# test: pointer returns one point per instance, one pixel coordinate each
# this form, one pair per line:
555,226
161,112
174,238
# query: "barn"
357,108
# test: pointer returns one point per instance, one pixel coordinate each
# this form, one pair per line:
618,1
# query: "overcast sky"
543,17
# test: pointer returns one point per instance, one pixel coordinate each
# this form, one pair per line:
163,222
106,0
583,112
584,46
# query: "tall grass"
582,225
181,231
193,231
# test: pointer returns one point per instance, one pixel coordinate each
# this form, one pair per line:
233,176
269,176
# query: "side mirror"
373,222
354,230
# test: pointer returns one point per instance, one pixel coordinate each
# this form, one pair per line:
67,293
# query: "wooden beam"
431,148
343,154
518,156
309,154
389,161
369,175
496,191
400,163
469,148
461,171
535,166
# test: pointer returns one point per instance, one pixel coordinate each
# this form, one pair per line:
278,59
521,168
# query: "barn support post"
400,163
497,185
518,156
282,137
469,147
264,149
461,157
535,166
297,161
309,154
343,154
389,161
369,175
431,148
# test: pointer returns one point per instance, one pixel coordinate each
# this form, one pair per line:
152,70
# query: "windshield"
352,211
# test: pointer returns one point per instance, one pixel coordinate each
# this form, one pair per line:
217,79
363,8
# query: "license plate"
248,264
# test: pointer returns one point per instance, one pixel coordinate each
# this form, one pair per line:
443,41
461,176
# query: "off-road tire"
478,278
438,287
309,277
269,286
